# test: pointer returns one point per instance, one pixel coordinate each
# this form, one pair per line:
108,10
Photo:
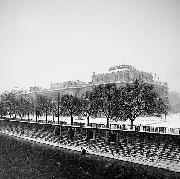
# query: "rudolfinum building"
120,75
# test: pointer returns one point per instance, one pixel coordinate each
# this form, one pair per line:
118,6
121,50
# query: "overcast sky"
54,41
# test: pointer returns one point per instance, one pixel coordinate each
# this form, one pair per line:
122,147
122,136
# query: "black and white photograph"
89,89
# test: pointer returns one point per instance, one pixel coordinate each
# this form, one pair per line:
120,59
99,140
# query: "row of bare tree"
116,103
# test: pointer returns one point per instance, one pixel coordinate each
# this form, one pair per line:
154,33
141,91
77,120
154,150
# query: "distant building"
120,75
35,89
67,84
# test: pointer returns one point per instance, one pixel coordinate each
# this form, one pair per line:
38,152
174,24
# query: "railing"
122,127
149,129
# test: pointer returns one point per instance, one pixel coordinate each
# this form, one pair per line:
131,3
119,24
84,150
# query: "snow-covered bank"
172,120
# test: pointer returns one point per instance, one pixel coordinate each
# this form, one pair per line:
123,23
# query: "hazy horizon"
43,41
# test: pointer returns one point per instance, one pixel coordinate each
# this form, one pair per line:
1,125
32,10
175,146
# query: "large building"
120,75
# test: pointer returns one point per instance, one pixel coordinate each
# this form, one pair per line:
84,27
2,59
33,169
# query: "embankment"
20,158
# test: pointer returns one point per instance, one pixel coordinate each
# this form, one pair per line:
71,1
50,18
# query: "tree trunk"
58,114
46,116
107,125
132,120
36,116
71,120
88,121
58,104
58,119
53,118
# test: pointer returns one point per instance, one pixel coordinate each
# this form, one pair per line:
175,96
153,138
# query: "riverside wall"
89,133
151,149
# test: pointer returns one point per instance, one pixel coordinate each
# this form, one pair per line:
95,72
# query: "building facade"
120,75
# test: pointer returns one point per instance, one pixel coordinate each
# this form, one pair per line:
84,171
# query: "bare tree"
10,100
70,106
105,100
57,104
3,109
89,104
141,99
44,105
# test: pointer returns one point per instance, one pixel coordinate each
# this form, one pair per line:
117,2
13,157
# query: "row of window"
118,77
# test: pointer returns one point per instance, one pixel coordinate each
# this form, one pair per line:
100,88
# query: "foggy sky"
44,41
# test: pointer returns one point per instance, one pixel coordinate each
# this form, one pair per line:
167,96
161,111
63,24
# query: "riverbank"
20,158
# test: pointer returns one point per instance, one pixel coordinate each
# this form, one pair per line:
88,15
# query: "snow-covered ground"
172,120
